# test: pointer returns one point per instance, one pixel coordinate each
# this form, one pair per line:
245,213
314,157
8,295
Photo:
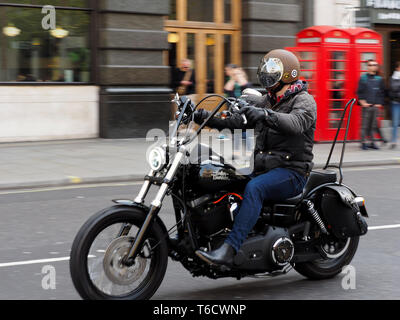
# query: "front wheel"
98,251
337,254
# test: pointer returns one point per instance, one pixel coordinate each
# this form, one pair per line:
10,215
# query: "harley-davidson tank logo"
220,175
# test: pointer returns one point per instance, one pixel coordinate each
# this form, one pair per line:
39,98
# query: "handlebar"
186,108
186,113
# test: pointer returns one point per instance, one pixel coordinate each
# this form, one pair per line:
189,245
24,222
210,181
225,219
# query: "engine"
268,252
268,249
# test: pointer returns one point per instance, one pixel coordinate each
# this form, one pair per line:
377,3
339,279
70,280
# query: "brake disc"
115,270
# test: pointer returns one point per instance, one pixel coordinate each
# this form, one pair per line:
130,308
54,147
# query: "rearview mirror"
251,92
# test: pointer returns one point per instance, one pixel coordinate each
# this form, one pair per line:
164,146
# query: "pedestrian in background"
237,81
183,82
376,128
394,93
183,78
371,96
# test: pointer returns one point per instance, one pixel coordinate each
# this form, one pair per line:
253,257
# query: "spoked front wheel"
99,250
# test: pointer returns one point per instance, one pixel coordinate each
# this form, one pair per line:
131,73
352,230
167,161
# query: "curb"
139,177
372,163
71,182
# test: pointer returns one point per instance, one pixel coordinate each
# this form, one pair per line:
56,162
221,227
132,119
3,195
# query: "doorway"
394,50
207,32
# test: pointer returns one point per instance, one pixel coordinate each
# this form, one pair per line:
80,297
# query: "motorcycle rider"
284,121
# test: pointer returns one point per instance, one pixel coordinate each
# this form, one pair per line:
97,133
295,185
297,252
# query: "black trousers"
369,124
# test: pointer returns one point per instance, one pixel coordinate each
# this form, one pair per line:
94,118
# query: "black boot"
373,146
364,146
223,255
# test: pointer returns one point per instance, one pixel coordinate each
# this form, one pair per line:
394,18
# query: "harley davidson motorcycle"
122,252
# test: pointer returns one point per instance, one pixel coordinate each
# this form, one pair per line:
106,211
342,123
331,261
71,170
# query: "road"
38,226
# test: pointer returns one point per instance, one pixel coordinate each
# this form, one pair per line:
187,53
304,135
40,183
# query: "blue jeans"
395,119
276,185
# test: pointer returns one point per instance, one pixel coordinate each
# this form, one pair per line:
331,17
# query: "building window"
172,10
227,11
30,53
202,10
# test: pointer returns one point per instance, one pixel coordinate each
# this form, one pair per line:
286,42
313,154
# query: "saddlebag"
341,213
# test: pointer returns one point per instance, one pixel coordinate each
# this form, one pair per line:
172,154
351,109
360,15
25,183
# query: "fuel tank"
210,173
211,176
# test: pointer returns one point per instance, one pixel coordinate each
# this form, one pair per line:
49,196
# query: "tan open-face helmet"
278,66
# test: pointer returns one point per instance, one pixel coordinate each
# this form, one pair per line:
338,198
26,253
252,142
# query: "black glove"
242,103
200,115
253,114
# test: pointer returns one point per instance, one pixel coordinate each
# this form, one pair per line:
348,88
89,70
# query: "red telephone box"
329,58
367,44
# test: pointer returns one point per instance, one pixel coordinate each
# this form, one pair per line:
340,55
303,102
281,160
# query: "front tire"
83,254
328,267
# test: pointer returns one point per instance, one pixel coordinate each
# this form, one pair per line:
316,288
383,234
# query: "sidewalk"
43,164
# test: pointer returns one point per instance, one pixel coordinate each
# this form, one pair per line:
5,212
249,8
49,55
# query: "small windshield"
234,147
183,128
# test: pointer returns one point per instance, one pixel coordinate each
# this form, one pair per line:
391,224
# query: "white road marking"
390,226
21,263
40,261
371,168
79,186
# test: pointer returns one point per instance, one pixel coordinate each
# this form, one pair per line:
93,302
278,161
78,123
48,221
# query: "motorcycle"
122,251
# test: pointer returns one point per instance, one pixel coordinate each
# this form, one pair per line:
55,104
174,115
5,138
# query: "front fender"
144,209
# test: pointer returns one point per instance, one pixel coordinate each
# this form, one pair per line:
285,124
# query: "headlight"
156,158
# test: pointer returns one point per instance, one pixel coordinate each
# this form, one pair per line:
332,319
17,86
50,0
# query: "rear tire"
327,268
87,235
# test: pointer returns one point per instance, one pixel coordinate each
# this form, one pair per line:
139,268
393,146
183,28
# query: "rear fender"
347,195
342,212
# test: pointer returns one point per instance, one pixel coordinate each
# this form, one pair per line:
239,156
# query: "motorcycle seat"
290,201
294,200
319,177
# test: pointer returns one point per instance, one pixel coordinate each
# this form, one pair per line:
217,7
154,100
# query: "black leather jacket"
285,138
371,89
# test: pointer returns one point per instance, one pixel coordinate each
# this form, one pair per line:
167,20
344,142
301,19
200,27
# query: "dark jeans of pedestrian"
276,185
395,120
369,120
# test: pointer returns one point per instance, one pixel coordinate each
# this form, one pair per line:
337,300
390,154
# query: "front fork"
155,205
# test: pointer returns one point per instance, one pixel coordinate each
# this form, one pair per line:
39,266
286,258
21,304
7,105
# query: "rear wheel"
336,254
99,249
